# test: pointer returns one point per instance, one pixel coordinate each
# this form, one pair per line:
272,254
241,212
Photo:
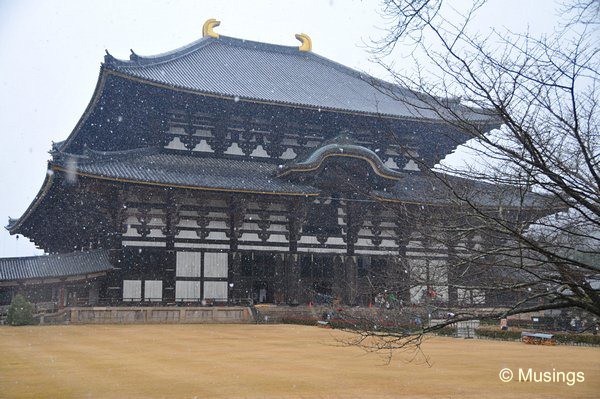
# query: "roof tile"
55,265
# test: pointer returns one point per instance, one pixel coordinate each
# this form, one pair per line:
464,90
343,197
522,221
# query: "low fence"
149,315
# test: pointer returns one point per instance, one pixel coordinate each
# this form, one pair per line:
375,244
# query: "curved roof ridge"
137,60
141,60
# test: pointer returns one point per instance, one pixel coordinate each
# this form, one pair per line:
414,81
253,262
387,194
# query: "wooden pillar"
296,215
62,295
112,290
404,228
405,274
234,276
339,278
453,270
236,214
350,294
279,279
170,261
292,278
353,220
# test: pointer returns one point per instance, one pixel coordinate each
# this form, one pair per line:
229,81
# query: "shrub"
561,338
304,321
585,339
490,322
446,331
498,334
20,312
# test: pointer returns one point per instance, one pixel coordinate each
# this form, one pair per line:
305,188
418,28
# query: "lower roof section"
155,167
184,171
54,266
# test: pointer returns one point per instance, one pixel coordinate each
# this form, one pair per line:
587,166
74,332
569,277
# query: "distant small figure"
379,300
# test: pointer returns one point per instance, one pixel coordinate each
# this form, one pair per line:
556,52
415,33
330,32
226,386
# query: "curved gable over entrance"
340,162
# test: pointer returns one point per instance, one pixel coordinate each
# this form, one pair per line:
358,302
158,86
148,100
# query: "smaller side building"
54,281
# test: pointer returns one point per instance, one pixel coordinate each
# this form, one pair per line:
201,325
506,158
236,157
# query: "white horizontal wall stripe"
265,248
323,250
144,244
200,245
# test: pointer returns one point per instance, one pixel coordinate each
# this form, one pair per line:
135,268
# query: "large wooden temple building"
229,170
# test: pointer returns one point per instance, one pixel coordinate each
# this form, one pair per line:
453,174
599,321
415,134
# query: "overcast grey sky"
51,50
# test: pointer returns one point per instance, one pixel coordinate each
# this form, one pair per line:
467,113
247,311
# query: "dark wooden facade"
204,197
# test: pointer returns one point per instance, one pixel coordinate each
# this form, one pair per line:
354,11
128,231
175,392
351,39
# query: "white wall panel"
215,264
153,290
215,290
187,290
132,290
189,264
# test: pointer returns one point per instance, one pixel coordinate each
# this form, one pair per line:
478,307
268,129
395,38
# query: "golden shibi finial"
305,40
207,28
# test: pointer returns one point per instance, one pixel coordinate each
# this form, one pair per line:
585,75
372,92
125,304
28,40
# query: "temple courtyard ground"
271,361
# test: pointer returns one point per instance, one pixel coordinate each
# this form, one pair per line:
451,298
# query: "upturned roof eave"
15,224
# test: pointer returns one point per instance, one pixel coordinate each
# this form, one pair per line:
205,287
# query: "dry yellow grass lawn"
227,361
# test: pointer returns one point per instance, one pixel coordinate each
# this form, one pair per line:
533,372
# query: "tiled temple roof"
56,265
269,73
